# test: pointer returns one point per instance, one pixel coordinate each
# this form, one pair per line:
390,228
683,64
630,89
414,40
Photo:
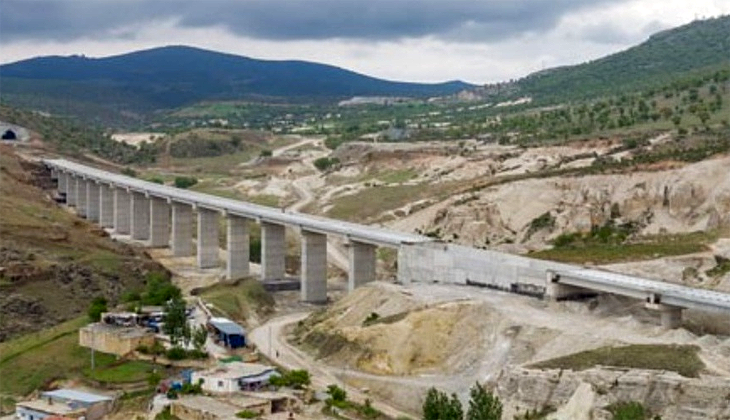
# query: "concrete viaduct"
162,216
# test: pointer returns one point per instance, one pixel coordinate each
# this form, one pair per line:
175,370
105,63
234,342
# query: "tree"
175,320
200,335
97,307
336,393
438,406
483,405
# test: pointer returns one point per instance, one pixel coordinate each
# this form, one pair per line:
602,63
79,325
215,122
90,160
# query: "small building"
233,377
112,339
198,407
228,332
65,403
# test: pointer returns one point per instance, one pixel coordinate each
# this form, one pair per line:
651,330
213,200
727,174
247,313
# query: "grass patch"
640,249
34,360
398,176
682,359
127,371
240,299
379,199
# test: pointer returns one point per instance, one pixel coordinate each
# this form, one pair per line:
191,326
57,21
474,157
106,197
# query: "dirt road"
269,339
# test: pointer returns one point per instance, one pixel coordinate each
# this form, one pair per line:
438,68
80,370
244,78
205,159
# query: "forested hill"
173,76
666,56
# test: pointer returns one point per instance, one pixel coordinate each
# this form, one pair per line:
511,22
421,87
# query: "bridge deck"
641,288
354,231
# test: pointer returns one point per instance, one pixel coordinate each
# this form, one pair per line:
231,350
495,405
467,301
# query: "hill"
699,47
169,77
53,264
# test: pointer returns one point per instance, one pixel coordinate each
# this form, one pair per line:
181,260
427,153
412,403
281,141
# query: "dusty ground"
452,336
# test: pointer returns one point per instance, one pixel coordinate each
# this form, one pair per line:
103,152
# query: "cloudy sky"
477,41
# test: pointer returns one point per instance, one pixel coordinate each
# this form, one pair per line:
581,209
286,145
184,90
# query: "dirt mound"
381,329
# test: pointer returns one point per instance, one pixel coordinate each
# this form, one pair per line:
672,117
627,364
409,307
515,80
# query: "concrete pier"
314,267
92,201
237,247
554,290
182,230
362,265
81,197
106,206
159,222
207,238
140,220
71,190
62,178
121,211
273,251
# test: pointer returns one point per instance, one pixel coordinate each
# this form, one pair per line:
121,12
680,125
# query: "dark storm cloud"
466,20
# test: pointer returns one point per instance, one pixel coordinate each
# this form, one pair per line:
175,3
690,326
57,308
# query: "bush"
325,163
247,414
185,181
297,379
176,353
98,305
266,153
628,411
129,172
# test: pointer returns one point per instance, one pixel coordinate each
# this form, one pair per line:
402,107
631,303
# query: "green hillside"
699,47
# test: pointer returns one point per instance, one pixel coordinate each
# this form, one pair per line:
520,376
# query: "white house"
232,377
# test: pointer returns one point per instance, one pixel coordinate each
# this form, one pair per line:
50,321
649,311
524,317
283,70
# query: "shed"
231,334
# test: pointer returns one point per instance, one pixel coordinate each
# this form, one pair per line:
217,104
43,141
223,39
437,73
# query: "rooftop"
221,408
76,395
227,326
124,332
236,370
57,408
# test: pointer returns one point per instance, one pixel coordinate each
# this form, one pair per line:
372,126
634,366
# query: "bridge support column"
81,197
362,265
61,183
554,290
273,251
671,316
106,206
54,174
237,247
182,230
92,201
71,190
314,267
121,211
159,222
207,238
140,220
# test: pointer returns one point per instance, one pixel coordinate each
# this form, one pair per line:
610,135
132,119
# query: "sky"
478,41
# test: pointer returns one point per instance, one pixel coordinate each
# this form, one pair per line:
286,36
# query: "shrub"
247,414
325,163
98,305
185,181
176,353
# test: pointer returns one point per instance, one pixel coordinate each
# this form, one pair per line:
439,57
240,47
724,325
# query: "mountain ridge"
173,76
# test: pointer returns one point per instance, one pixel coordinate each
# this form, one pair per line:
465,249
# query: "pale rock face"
587,394
681,200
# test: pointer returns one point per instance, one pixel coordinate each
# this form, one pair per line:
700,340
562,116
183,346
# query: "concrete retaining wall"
449,263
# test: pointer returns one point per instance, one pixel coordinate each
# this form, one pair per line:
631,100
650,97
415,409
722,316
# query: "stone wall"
449,263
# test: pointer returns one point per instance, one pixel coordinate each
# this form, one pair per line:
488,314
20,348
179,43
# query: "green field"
34,360
238,301
682,359
642,249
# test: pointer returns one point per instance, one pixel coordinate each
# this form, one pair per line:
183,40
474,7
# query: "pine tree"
483,405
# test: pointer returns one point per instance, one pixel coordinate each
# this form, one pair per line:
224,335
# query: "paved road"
270,340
